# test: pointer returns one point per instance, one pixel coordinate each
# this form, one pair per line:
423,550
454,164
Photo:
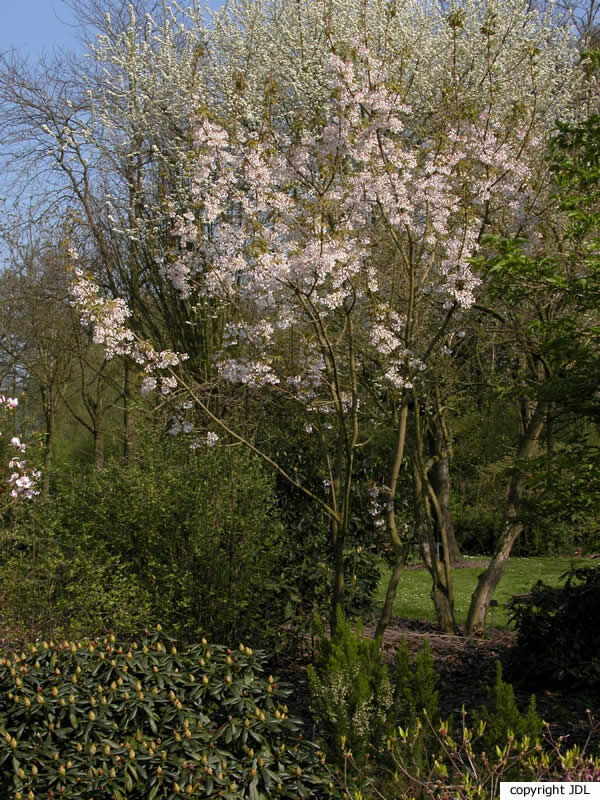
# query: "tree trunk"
48,410
390,595
337,537
440,571
489,579
99,443
99,439
442,594
399,549
444,608
439,475
129,439
98,425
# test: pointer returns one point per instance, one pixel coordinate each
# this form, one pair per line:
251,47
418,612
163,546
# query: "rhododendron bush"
337,236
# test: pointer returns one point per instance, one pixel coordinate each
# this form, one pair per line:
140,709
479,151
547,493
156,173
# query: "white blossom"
211,439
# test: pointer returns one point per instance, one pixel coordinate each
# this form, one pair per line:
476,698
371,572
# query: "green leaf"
253,792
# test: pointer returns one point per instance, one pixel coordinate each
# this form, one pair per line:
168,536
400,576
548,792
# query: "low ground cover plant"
102,720
459,765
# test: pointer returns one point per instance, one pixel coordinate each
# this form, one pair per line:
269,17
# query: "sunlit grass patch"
413,599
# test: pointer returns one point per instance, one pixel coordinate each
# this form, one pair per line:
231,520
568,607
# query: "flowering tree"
455,73
310,177
110,133
548,299
343,248
453,64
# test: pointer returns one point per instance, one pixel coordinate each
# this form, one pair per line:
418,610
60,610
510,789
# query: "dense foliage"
351,692
502,717
558,632
142,720
316,292
383,730
371,265
194,537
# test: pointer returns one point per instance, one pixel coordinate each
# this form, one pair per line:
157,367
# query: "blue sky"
32,26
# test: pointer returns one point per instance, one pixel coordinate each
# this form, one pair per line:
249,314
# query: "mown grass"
413,598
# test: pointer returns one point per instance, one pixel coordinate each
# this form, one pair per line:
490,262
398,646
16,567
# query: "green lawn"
413,597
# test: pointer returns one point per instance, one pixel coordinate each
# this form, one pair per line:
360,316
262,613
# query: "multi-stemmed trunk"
433,523
439,477
436,519
397,545
489,579
430,523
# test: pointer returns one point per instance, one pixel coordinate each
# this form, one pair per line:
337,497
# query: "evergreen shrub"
358,704
308,530
415,704
502,717
351,692
476,529
415,688
558,629
105,720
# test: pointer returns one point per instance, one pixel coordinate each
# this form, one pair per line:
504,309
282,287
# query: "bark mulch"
467,667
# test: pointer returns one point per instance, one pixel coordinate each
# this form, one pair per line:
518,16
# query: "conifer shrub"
351,692
358,704
415,688
502,717
102,720
415,705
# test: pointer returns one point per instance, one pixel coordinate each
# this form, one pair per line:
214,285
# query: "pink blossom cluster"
108,319
318,237
9,403
292,220
23,480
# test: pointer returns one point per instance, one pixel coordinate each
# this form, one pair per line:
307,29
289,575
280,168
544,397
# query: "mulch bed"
467,666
